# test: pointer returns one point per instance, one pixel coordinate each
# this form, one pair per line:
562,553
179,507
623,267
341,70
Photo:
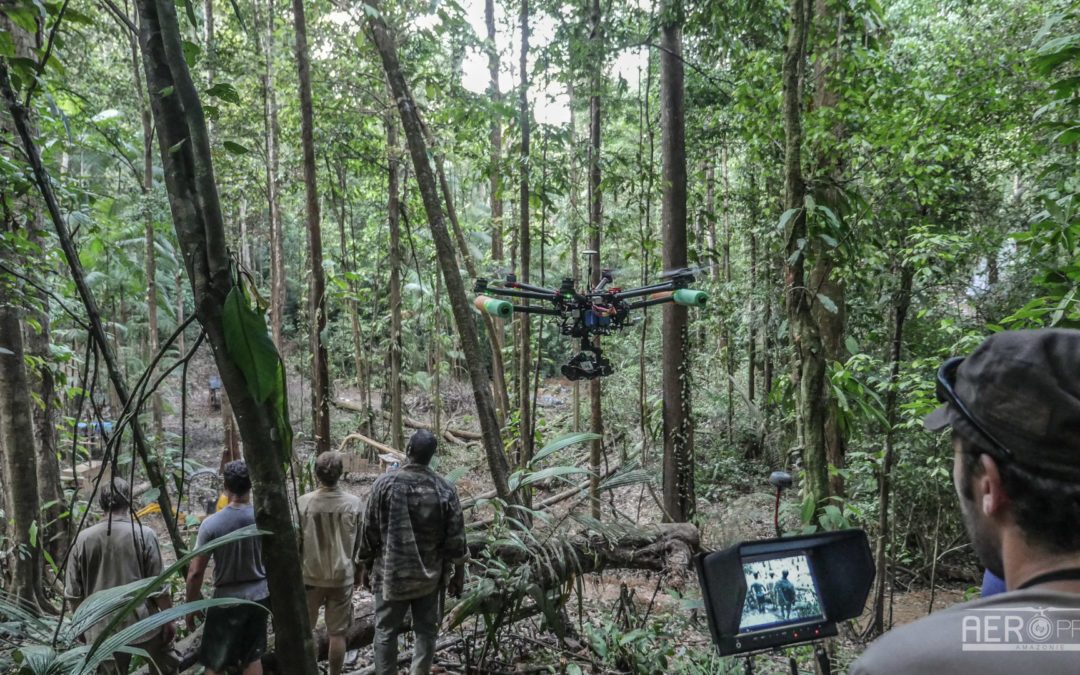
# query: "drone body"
601,310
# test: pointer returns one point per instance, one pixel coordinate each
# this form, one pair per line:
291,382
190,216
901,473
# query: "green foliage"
45,649
250,347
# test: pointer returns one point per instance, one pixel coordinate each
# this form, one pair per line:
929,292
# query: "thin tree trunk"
270,122
320,373
150,259
496,142
397,433
17,442
678,429
807,351
348,266
455,288
575,234
596,200
751,359
525,438
831,161
196,211
900,308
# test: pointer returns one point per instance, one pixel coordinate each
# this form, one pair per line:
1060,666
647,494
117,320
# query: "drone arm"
650,302
549,311
520,285
532,295
645,290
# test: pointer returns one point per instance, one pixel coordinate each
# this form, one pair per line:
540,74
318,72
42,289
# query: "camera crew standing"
1014,409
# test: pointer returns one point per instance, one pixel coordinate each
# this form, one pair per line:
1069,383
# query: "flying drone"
600,310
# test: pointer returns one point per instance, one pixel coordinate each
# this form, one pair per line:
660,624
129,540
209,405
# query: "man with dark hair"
234,636
759,593
785,595
330,527
1014,409
413,539
112,553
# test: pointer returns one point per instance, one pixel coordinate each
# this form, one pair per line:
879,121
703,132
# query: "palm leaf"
562,442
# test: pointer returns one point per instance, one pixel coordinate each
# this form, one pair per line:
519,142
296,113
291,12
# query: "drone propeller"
684,271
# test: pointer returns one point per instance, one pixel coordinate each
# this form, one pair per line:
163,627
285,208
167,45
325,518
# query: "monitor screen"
780,591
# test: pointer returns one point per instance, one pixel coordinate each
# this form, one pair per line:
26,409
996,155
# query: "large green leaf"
562,442
100,608
552,472
250,346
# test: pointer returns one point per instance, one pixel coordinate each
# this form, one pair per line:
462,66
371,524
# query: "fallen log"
666,548
373,443
451,435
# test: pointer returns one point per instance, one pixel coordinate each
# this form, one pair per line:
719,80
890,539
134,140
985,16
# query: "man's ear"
989,488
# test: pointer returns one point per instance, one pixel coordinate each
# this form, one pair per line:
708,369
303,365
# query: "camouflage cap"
1023,390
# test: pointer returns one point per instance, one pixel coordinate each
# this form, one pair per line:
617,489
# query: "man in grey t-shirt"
1014,409
235,635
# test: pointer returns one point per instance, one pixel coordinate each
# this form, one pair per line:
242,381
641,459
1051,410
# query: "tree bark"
496,142
17,443
277,246
320,373
196,210
596,203
525,438
823,279
397,433
900,309
455,288
678,463
150,254
807,352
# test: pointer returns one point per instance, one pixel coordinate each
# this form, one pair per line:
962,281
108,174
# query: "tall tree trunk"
53,524
496,142
823,279
150,254
596,202
270,122
393,207
348,266
678,461
807,351
525,253
17,443
196,211
751,358
320,373
455,287
900,308
575,235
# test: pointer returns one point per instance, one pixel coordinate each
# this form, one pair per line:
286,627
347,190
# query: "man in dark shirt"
234,635
759,593
413,538
785,595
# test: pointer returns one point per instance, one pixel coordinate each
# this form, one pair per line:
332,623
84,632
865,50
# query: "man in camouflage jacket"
413,546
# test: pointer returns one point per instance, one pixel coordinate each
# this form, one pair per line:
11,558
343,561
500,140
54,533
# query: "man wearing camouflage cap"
1013,407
